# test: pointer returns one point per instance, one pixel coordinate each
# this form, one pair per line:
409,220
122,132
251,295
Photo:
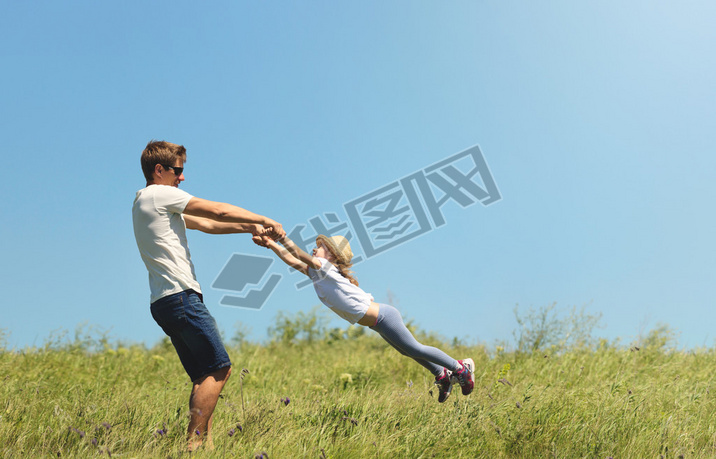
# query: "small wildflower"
107,425
285,400
410,384
231,432
94,442
197,432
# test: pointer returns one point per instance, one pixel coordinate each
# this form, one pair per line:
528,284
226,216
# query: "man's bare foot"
193,445
196,443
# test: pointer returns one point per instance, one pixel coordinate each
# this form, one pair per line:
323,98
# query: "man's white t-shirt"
335,291
160,231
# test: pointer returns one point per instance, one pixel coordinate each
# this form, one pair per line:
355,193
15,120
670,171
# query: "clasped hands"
263,235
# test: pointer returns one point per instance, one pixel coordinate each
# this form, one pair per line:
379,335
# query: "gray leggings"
391,327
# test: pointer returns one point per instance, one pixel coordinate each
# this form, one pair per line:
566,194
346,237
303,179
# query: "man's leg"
196,338
202,402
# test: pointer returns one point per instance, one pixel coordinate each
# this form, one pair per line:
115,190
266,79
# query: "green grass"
356,397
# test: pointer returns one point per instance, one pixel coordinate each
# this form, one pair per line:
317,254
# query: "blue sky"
598,121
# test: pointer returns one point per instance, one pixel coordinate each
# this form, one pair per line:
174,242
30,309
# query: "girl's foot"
444,385
465,375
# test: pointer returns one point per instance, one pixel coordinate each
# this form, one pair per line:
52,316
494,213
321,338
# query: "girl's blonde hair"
344,269
342,259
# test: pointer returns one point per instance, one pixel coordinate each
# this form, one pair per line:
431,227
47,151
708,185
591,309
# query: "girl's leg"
391,327
431,367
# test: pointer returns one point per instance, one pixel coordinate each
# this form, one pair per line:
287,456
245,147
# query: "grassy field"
345,394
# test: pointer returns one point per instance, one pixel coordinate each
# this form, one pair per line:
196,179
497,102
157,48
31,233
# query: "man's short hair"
160,152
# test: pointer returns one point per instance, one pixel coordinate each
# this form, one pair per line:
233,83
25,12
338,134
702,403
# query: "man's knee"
222,374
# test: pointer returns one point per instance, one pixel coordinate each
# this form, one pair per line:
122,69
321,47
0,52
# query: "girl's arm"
297,252
282,253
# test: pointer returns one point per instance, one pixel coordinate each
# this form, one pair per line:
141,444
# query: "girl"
336,287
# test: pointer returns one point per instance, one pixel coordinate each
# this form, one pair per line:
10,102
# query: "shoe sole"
447,395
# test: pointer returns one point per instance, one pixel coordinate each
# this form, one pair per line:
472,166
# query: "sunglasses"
177,170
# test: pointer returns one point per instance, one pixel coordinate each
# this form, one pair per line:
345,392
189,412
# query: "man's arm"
209,226
228,213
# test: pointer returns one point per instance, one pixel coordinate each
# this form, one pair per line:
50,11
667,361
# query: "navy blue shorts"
193,331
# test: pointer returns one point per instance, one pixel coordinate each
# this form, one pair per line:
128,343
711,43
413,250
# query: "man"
161,213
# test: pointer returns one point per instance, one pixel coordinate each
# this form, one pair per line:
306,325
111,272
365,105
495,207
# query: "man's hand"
275,231
258,230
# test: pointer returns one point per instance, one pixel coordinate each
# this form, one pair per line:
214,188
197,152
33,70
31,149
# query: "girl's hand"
259,240
275,233
274,229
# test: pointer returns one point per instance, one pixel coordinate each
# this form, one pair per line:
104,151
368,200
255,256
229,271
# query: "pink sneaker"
466,375
444,385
